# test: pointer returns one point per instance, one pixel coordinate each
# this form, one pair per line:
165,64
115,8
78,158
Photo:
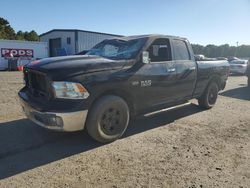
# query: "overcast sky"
201,21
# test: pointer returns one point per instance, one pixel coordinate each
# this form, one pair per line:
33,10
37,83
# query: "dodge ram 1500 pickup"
248,73
118,79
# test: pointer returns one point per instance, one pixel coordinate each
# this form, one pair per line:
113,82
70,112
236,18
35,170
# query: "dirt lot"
185,147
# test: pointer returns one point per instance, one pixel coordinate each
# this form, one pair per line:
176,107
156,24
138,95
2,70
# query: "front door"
157,78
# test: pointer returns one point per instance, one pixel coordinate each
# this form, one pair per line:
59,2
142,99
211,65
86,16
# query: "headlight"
69,90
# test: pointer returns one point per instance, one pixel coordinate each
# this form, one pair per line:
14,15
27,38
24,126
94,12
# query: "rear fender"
217,80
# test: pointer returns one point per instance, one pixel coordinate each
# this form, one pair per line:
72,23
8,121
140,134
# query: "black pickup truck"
118,79
248,73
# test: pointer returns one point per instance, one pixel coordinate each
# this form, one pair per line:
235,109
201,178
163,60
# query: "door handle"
171,70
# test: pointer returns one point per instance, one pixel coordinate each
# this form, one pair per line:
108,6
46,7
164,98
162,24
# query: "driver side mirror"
145,57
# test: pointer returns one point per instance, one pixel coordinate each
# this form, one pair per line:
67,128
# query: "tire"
108,119
209,97
248,81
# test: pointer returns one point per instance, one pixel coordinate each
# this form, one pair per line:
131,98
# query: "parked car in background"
232,58
238,66
199,57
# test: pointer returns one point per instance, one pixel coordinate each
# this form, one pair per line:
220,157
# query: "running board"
166,109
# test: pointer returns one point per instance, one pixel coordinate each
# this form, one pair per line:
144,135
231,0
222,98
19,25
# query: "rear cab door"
186,68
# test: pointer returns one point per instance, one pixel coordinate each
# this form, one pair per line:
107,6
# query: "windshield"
118,49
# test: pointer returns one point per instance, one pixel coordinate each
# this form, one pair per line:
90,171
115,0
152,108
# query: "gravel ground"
184,147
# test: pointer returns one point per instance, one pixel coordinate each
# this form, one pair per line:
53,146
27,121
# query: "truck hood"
69,66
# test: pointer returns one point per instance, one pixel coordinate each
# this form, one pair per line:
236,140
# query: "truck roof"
149,36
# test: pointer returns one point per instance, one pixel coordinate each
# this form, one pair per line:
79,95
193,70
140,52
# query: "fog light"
59,121
49,120
56,121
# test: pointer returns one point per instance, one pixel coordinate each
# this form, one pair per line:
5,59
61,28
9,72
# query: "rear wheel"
108,119
209,97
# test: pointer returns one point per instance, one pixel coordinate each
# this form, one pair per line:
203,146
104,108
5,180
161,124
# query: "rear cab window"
181,51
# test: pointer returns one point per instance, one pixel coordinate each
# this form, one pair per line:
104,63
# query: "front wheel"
108,119
209,97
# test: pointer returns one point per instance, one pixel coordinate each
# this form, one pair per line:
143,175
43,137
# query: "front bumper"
67,121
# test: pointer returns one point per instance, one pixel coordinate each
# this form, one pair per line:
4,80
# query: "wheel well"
122,94
217,80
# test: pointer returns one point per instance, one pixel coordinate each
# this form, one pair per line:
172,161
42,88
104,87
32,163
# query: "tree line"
8,33
222,50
